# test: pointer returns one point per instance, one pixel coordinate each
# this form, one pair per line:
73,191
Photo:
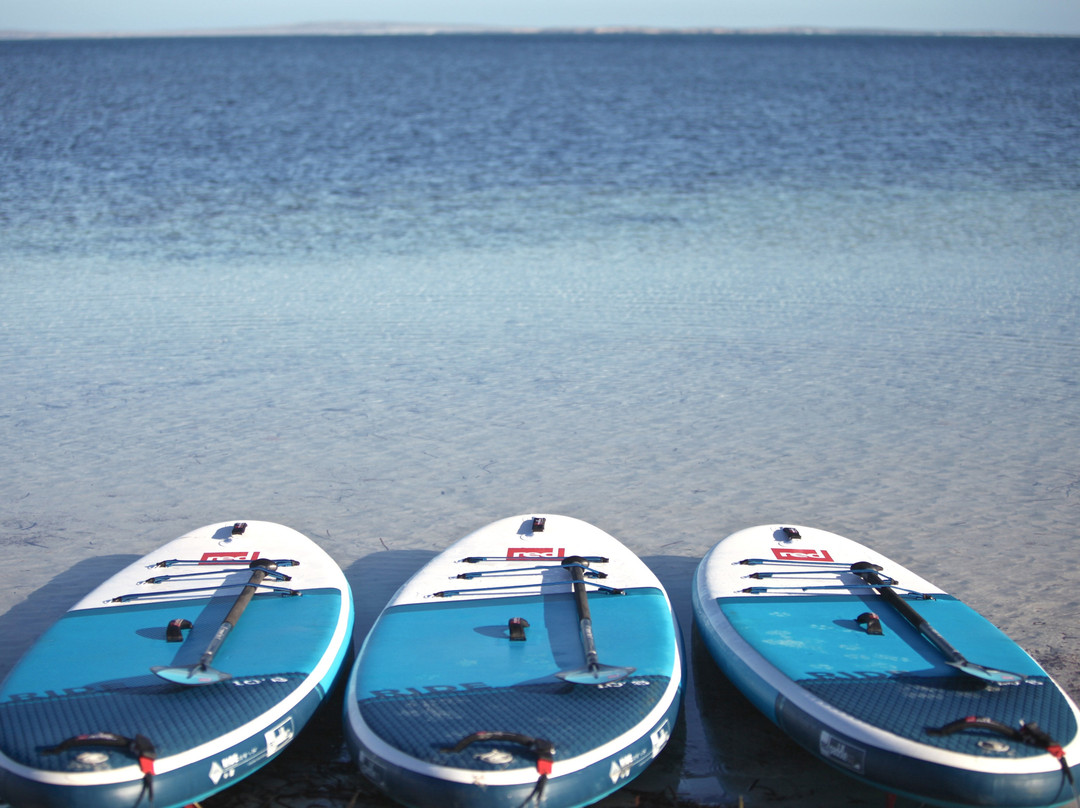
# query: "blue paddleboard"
536,661
179,675
883,675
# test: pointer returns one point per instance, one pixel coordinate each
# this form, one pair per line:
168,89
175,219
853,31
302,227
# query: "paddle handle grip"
588,643
215,643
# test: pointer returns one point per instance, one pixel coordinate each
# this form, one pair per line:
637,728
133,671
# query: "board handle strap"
543,749
1029,733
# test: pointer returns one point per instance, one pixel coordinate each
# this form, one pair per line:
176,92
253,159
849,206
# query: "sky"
127,16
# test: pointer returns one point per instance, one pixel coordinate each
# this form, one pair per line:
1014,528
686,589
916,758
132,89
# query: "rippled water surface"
388,290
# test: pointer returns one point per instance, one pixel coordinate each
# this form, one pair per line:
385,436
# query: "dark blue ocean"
386,290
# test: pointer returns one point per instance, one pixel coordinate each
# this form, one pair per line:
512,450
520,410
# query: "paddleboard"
882,674
120,704
535,662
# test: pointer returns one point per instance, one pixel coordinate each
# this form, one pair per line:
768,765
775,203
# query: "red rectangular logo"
801,554
535,552
219,556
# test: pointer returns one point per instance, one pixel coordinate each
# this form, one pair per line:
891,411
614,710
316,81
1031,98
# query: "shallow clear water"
388,290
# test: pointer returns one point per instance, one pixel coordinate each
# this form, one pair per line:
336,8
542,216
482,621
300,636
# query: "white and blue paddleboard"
535,662
179,675
882,674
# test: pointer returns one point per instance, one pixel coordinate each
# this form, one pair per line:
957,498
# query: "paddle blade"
194,675
987,674
596,674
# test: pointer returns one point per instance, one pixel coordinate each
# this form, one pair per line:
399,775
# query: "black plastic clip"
174,631
871,621
517,629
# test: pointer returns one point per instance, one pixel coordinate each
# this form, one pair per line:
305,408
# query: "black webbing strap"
1028,733
140,747
544,751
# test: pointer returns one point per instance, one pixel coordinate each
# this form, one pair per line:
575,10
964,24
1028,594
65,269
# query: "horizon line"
346,28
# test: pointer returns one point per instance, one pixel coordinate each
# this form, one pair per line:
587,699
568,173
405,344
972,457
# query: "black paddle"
593,673
869,573
201,673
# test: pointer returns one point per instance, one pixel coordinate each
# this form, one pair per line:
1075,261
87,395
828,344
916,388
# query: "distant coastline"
437,29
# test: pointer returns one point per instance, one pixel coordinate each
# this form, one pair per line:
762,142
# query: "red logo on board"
801,554
535,552
219,556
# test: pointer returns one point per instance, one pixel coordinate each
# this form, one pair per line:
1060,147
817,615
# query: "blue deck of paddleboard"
817,636
91,673
432,673
98,647
446,644
896,681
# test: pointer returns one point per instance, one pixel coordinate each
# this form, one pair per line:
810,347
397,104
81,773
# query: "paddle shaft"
592,660
260,569
917,620
594,673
